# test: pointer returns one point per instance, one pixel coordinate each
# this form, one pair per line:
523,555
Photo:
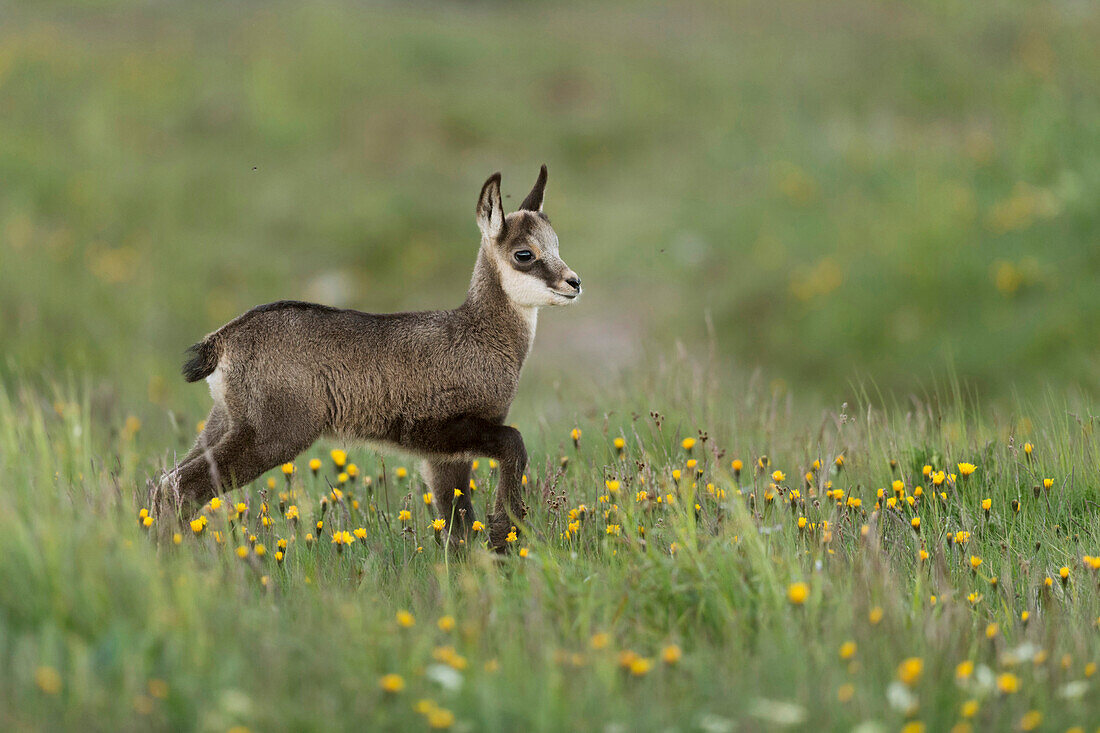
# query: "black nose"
574,282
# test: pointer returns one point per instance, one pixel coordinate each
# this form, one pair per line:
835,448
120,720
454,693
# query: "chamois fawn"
436,383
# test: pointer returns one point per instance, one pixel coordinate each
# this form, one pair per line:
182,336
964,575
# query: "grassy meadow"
732,566
815,451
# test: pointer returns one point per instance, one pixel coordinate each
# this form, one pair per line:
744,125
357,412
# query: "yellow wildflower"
392,683
910,669
1008,683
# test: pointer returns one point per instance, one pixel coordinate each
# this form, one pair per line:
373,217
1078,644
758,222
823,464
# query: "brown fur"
437,383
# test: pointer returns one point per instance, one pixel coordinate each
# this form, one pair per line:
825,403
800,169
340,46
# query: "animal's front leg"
466,436
449,480
509,509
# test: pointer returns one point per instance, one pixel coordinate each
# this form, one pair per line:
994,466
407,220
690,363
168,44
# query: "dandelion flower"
845,692
797,593
687,444
671,654
48,680
964,669
1031,720
965,469
315,465
405,619
392,683
640,666
446,623
1008,683
440,718
339,457
847,650
910,669
478,526
599,640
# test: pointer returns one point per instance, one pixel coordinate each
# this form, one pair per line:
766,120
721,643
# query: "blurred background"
828,193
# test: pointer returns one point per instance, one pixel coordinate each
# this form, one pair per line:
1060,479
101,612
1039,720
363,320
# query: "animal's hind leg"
214,429
238,458
445,475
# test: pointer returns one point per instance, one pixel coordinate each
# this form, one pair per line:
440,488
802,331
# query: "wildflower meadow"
734,565
816,449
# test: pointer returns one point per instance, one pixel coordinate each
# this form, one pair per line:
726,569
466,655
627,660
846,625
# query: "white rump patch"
216,380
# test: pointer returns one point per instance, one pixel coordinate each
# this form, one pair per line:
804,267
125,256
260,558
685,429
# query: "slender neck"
490,304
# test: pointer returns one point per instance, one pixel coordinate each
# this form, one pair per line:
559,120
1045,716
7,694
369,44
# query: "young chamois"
436,383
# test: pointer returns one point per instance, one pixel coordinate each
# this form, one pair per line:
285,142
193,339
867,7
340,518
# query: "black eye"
524,255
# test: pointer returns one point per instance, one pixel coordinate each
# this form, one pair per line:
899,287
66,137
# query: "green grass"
111,607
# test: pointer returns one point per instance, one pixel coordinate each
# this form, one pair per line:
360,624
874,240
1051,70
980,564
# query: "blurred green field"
845,190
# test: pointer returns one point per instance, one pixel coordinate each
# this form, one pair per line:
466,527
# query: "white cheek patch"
524,289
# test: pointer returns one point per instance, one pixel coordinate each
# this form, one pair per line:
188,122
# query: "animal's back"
368,375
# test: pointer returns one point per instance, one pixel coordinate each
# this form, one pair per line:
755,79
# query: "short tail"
203,361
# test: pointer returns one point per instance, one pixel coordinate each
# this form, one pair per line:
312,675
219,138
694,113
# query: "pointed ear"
490,213
533,202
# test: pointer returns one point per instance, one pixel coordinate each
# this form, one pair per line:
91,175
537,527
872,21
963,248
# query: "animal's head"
524,248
